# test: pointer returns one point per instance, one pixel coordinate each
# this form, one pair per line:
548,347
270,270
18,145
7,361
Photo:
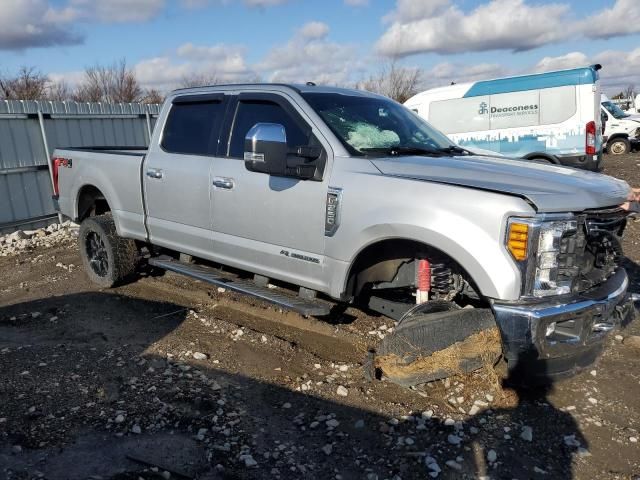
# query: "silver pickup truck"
350,195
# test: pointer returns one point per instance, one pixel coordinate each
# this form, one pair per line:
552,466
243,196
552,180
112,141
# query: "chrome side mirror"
265,148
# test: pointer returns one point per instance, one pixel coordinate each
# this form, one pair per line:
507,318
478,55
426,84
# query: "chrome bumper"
564,337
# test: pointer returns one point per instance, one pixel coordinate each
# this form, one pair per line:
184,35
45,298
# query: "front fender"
464,223
483,258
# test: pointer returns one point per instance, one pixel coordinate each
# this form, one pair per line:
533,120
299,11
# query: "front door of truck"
263,222
176,174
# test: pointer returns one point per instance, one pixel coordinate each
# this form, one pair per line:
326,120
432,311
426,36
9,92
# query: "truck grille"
592,253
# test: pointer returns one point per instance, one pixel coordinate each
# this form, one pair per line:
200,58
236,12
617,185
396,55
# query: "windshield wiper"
455,149
397,151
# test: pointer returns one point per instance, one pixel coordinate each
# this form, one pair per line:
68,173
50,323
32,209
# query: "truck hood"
548,187
634,116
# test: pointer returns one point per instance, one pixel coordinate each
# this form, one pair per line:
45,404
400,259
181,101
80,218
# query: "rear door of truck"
176,174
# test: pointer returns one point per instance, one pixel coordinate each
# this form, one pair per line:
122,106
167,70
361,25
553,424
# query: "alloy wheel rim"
97,254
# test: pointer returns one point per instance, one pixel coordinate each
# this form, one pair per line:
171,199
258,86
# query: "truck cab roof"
296,87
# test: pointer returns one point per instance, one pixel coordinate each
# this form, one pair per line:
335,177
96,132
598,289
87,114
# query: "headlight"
535,244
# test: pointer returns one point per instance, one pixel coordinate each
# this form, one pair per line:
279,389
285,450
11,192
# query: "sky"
325,41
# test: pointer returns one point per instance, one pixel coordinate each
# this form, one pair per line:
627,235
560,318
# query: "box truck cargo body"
553,116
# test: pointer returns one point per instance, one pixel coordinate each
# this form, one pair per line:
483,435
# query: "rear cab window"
193,126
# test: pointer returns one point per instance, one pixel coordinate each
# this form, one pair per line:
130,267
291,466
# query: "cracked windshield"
367,125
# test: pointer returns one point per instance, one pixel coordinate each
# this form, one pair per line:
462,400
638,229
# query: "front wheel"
618,146
108,259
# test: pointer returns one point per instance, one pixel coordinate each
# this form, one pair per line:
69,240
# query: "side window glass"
251,112
557,104
192,128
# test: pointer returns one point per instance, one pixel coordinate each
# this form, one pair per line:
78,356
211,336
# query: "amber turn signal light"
517,240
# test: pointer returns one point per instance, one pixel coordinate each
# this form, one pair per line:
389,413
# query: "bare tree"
115,83
152,96
399,83
28,84
59,91
199,80
90,89
630,91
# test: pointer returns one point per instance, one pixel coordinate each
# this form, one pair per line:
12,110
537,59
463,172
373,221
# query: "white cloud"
409,10
619,68
356,3
225,63
443,27
226,59
71,78
120,10
314,30
195,4
108,11
309,56
562,62
621,19
30,23
444,73
264,3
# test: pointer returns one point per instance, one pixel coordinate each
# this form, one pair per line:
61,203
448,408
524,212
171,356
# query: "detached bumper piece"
428,347
546,341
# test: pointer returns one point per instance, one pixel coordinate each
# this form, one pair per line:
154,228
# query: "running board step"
247,287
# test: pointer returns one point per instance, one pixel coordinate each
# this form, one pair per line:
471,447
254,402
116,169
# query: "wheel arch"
543,156
402,248
90,201
618,135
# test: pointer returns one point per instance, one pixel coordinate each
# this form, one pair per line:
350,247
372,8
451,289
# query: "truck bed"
116,172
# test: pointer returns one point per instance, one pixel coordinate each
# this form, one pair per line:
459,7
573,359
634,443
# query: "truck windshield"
614,110
378,126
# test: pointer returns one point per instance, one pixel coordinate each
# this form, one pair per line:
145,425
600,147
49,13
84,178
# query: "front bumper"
546,341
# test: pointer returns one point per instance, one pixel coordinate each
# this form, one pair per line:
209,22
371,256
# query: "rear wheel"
108,259
618,146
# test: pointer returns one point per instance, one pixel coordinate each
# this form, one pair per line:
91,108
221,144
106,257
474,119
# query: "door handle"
154,173
226,183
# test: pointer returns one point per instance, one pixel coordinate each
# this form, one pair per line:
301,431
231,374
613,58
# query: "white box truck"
621,129
552,116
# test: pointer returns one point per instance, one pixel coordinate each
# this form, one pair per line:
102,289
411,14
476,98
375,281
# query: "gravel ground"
166,378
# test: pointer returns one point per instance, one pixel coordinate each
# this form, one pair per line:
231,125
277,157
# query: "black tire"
108,259
618,146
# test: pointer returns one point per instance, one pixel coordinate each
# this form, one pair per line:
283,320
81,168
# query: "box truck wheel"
108,259
618,146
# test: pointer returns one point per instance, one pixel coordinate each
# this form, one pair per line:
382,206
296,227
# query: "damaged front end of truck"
574,292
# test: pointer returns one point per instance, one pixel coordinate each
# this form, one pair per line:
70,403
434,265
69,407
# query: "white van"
622,130
553,116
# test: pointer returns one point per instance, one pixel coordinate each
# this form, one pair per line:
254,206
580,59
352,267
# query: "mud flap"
428,347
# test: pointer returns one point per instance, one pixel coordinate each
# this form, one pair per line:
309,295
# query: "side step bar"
210,275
